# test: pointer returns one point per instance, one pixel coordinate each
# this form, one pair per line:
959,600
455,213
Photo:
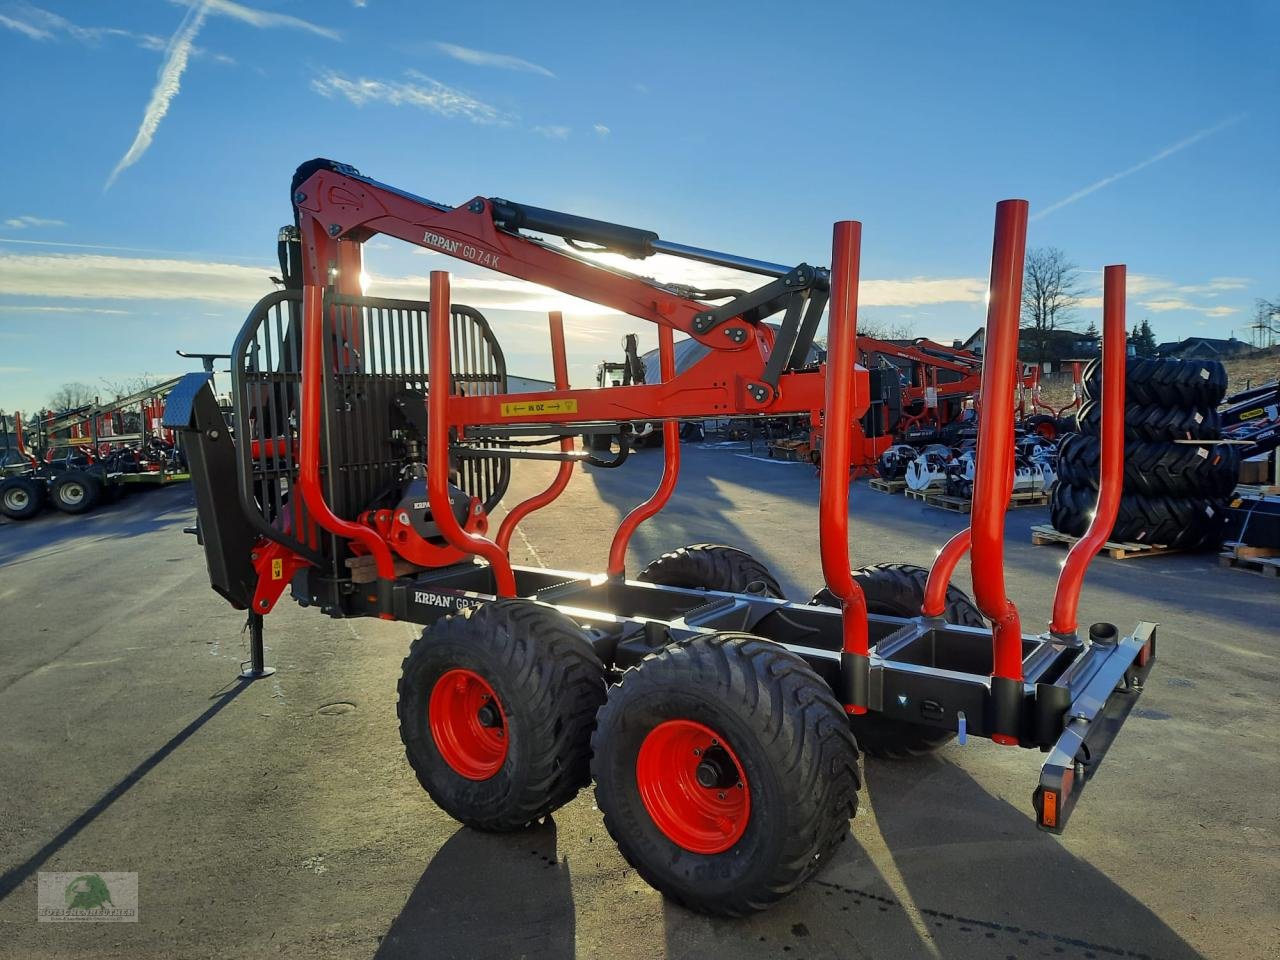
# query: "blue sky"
148,149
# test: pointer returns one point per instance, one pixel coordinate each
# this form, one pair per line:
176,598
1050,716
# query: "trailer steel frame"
1057,691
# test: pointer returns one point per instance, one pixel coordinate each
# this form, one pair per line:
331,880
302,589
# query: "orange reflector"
1049,808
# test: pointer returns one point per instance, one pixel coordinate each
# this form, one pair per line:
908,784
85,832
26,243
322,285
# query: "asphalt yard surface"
279,818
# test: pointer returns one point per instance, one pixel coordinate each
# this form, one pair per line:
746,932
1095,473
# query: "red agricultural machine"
720,721
78,458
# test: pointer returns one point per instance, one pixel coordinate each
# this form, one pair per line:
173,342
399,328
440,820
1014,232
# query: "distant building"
1052,349
517,384
1202,348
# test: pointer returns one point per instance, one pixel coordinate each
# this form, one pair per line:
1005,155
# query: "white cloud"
167,85
101,277
483,58
261,18
39,24
1165,304
601,130
21,223
28,308
1129,171
553,132
419,91
26,27
97,277
1164,295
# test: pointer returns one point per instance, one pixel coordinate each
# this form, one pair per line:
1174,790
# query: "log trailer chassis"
716,718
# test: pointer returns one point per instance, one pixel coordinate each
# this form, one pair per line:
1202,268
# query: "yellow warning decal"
277,569
534,408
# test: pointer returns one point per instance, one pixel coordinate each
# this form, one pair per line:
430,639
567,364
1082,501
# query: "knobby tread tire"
35,493
92,492
1184,522
1155,469
550,683
1155,424
798,756
711,566
1164,382
897,590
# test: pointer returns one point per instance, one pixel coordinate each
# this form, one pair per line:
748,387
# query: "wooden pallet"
1257,491
1263,566
1260,560
965,505
1043,533
887,486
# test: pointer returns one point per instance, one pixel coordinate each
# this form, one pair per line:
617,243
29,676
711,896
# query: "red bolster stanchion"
993,469
560,366
1111,469
944,565
670,465
439,392
833,496
309,439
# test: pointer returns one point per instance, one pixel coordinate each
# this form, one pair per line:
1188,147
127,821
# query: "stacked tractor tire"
1174,492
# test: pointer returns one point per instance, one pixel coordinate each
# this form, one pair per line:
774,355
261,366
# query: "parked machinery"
80,457
720,722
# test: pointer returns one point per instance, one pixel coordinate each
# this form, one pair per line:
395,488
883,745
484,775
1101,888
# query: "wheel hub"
468,724
692,786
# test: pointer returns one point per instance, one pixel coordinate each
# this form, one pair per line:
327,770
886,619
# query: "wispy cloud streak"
22,222
166,88
483,58
260,18
418,91
1155,158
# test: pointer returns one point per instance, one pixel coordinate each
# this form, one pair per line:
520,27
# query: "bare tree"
71,395
1266,323
129,385
882,330
1050,292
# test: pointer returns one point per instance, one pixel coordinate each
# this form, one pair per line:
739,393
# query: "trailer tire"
712,566
75,492
758,716
897,590
534,671
1164,382
1155,469
1185,522
21,497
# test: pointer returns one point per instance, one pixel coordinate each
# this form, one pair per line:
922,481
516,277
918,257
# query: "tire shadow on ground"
488,895
972,878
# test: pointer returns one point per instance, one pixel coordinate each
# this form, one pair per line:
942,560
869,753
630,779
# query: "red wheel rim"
1047,430
693,787
468,724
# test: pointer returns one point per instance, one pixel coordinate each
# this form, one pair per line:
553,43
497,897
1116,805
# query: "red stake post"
439,393
670,465
833,496
1066,601
993,471
560,366
309,436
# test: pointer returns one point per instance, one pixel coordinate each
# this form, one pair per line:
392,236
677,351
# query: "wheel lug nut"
720,795
697,752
